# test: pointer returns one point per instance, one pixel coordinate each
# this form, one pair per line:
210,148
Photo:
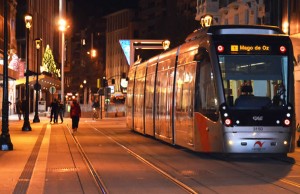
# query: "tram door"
184,104
129,99
149,98
164,100
139,88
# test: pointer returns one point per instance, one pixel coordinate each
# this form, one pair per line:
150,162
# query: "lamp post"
37,86
62,27
84,92
5,141
81,96
26,124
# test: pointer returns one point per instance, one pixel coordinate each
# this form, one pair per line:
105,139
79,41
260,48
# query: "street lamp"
28,23
37,86
5,141
84,92
62,27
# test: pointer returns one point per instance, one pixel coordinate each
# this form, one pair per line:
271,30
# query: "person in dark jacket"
54,111
61,110
19,108
75,114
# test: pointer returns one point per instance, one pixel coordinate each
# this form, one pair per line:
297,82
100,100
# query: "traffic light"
104,82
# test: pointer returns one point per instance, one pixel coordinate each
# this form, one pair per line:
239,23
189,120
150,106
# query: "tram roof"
234,29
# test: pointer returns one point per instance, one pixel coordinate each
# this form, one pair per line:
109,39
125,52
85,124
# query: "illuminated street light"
28,24
62,27
285,27
93,53
84,92
5,141
37,86
206,20
166,44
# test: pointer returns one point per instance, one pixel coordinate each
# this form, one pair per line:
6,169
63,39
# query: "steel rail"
99,183
155,167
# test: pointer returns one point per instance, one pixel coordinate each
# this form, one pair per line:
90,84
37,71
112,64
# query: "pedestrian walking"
96,109
61,110
19,108
54,111
75,114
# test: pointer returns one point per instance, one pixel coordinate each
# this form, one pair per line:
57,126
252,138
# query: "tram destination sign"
249,49
235,48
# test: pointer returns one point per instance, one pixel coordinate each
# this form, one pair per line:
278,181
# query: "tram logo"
259,144
258,118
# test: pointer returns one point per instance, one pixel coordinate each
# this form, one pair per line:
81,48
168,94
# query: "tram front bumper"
245,142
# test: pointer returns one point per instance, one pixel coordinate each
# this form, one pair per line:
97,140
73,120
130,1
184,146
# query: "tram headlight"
225,114
220,48
277,122
228,122
282,49
287,122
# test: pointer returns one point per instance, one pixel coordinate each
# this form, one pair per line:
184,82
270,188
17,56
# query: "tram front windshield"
254,82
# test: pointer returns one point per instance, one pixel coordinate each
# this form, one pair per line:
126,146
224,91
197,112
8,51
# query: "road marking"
290,182
36,186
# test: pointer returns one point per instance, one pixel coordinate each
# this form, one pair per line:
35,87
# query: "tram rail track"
98,182
97,178
258,175
111,135
150,164
248,171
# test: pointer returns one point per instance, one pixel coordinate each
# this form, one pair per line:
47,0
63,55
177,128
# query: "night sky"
83,9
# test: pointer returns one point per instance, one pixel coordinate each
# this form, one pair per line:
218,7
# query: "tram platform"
43,160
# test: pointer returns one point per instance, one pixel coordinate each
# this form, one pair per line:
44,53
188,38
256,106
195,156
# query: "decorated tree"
49,63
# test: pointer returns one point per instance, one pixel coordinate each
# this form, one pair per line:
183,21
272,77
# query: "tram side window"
206,90
185,90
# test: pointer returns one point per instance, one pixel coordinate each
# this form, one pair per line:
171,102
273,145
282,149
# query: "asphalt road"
106,157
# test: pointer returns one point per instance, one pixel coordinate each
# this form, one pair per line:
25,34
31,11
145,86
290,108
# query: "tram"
226,89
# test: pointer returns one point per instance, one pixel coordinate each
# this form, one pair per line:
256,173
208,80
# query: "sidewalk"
40,164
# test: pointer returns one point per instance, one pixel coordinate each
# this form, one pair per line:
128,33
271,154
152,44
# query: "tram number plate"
258,128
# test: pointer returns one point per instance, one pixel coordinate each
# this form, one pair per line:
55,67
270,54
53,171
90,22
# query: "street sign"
52,89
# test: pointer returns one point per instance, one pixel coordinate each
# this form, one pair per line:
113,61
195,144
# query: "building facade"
13,74
44,26
119,25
